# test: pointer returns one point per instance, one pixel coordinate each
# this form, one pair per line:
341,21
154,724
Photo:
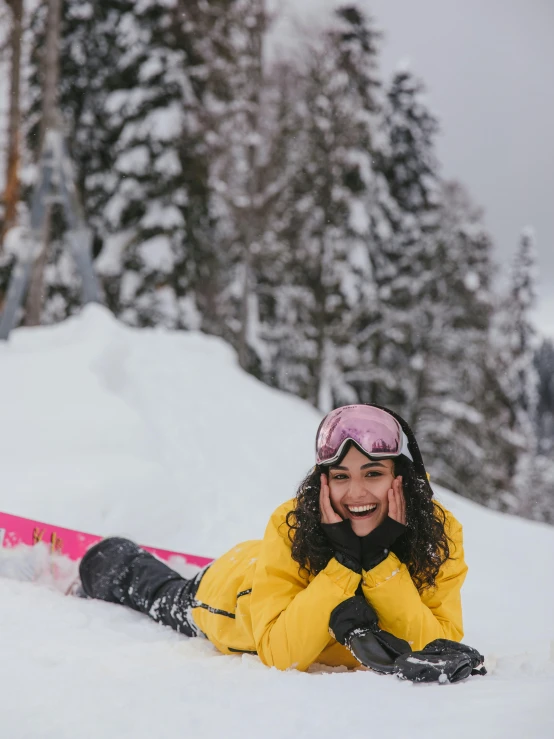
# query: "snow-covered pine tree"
404,256
323,227
522,377
434,279
516,347
271,256
89,63
195,126
373,213
140,129
533,474
242,174
159,207
464,413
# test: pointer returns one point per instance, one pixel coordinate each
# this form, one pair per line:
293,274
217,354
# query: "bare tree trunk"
242,350
49,120
250,218
11,193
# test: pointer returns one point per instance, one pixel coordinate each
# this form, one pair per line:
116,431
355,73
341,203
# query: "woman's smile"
361,511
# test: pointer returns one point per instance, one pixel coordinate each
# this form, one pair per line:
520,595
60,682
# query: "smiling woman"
361,567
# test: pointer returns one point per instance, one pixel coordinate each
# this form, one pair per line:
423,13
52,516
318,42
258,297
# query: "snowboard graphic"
16,530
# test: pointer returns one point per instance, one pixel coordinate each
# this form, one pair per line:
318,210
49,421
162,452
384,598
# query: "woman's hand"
376,545
328,514
397,503
345,543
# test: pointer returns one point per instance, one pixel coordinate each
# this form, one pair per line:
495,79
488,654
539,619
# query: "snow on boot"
105,570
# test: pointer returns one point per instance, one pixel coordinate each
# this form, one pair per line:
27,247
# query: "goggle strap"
405,448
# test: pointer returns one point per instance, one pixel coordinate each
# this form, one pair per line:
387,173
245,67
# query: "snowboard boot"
118,571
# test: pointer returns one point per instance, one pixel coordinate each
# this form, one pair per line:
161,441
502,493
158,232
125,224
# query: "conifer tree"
324,223
89,62
516,347
404,259
533,474
464,409
522,378
242,174
159,203
139,133
271,255
195,126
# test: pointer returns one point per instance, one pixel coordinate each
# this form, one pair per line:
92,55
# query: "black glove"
378,649
353,623
376,545
440,661
346,545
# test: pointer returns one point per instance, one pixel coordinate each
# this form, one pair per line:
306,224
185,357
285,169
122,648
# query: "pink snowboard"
15,530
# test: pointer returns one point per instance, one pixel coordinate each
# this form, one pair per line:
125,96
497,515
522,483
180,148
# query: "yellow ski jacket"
254,599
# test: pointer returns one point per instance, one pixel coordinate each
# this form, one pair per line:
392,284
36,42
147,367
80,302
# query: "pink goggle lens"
374,430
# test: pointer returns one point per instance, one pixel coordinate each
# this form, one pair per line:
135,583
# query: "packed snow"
161,437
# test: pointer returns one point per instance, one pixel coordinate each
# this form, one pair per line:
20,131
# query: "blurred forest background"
292,204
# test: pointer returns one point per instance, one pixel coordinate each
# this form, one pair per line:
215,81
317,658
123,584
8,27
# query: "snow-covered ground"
161,437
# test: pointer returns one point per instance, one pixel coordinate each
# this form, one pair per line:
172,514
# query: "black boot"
106,569
118,571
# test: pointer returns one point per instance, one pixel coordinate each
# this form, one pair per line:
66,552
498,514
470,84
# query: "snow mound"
152,434
160,436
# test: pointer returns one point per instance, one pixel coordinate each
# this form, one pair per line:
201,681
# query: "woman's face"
361,483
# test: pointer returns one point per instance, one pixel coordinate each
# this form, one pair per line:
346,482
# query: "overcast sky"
489,70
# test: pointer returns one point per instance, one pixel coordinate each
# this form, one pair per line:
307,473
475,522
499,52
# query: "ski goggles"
373,430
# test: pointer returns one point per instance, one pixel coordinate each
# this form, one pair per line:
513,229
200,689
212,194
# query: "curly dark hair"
423,547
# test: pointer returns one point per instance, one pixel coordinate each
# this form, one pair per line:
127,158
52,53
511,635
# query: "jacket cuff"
343,577
349,563
385,570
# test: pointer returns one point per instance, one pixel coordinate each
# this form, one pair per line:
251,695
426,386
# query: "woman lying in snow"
362,566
